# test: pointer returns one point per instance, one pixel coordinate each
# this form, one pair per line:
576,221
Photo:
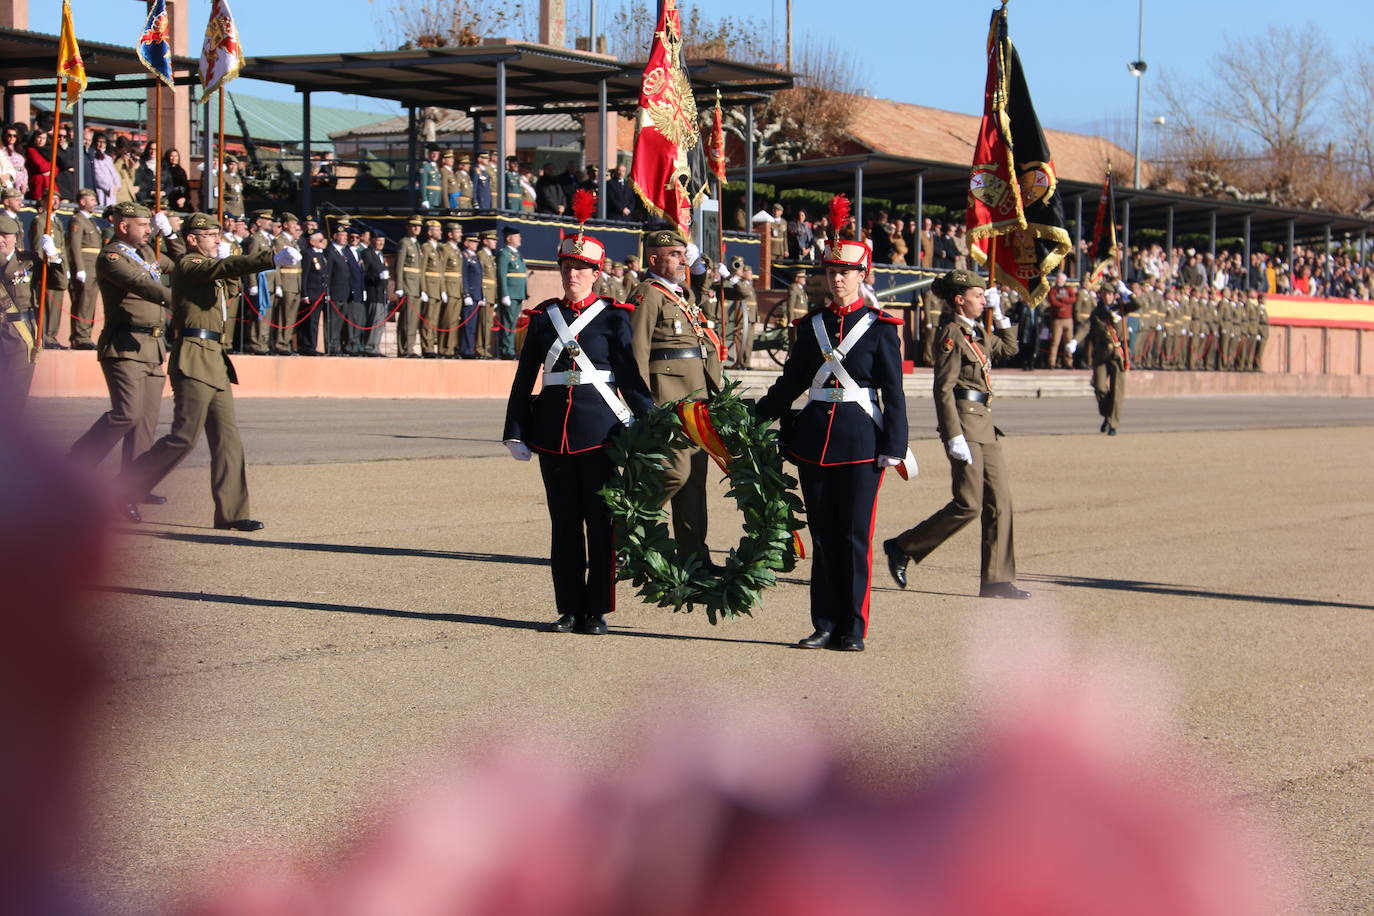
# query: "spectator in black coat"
314,284
345,294
620,197
548,192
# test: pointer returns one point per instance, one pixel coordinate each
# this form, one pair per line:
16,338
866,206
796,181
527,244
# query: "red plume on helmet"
583,206
839,216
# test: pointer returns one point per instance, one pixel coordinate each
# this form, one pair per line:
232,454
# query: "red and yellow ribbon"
696,422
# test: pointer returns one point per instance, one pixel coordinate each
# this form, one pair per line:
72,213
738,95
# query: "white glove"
518,450
887,461
467,300
1259,337
722,271
277,292
958,450
505,300
253,290
424,297
1072,345
993,297
1159,327
162,224
693,253
364,295
81,278
424,205
287,257
224,250
49,249
443,297
385,275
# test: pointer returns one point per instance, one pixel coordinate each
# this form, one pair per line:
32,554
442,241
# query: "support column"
1247,252
1292,241
920,214
1212,235
749,166
306,183
209,184
78,138
858,202
1326,234
412,171
1169,232
604,159
1126,265
498,187
1078,237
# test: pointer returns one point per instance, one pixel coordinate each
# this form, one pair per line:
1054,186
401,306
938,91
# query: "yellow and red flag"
221,57
70,67
666,128
1013,188
1104,248
715,147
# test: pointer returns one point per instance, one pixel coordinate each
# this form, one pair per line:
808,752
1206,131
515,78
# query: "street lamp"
1137,68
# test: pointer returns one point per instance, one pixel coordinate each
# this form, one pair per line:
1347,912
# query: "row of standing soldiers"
1171,328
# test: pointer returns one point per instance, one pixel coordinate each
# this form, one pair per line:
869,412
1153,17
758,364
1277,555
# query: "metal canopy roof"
26,55
538,77
946,184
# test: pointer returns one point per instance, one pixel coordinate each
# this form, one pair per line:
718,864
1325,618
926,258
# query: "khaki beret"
85,192
664,238
433,224
1107,286
198,222
446,154
489,234
415,221
262,214
230,157
130,210
465,159
964,279
290,218
11,192
9,225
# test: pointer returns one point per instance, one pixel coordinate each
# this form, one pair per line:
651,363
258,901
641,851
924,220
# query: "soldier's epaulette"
890,319
621,305
531,312
815,311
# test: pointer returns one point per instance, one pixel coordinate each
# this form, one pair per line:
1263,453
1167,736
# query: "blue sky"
929,53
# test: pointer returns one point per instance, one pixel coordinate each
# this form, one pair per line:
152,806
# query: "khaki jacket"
410,267
288,278
135,296
432,267
664,319
961,361
84,243
453,271
200,291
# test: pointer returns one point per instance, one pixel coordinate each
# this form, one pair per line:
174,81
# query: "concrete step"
1007,383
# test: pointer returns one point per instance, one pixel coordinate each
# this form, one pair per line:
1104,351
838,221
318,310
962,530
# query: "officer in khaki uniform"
1262,322
260,288
462,183
432,289
57,262
410,283
679,356
132,341
201,372
448,182
84,243
18,320
286,304
744,310
963,414
1103,330
488,313
450,315
931,310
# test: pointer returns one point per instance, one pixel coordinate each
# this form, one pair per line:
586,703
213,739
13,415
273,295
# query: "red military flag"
71,69
1104,247
1014,208
221,57
666,128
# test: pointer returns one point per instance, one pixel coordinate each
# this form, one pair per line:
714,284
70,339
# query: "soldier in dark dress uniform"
581,345
848,361
202,374
963,414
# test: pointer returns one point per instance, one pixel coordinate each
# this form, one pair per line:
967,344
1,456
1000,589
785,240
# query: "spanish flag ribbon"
696,422
70,66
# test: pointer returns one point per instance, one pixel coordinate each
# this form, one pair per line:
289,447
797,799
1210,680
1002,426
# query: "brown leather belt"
679,353
968,394
202,333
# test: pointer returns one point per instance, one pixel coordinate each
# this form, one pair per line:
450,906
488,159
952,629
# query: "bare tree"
451,23
1356,108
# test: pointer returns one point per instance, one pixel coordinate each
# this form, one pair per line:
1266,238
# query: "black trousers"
581,550
308,331
467,334
841,505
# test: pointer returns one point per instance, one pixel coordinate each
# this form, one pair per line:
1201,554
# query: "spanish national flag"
70,66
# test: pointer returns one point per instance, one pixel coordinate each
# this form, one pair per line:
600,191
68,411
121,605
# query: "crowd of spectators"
118,168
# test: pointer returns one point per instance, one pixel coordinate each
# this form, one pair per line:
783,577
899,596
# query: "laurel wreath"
762,492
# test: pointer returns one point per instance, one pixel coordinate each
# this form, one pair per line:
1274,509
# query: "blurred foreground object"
1054,811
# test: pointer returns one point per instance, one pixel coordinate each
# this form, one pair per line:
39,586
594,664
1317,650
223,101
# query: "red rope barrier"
456,327
374,327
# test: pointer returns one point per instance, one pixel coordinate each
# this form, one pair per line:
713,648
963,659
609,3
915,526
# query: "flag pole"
992,281
59,97
157,166
219,190
1125,331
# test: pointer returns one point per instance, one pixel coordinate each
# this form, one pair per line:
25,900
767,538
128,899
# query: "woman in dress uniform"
581,346
848,362
963,412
